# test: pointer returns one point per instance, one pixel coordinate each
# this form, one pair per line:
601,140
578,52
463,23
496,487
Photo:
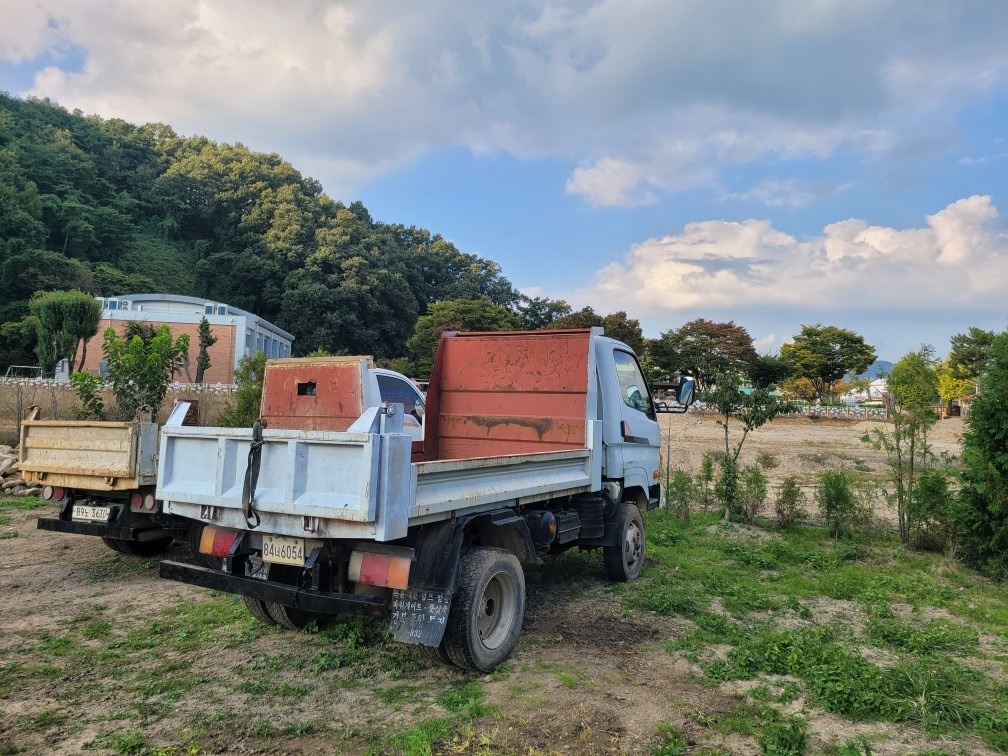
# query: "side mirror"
685,395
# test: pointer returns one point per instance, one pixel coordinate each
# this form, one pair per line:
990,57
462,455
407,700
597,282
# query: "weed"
789,506
767,460
467,699
672,740
418,740
784,737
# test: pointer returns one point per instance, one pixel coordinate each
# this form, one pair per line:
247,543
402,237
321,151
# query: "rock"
6,451
6,463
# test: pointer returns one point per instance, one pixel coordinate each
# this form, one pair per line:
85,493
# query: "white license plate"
91,514
281,550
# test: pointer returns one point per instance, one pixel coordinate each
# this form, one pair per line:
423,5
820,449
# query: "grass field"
736,640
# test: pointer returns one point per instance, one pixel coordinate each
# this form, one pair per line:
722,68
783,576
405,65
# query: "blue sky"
772,163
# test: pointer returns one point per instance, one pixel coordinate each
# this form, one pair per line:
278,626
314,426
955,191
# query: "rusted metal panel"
324,393
511,393
96,456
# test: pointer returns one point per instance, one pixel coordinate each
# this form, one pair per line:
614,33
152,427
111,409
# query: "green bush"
789,505
243,410
840,502
679,493
752,492
88,388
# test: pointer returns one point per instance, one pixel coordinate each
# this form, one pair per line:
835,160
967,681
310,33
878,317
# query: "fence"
819,412
58,401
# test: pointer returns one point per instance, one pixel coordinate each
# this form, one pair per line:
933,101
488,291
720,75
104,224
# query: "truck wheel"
113,543
139,548
437,653
291,618
258,609
624,560
487,610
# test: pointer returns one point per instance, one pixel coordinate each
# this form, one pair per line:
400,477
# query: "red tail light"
216,541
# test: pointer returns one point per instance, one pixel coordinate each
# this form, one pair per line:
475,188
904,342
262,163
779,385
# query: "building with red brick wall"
239,333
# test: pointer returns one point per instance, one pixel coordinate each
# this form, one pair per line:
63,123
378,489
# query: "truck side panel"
495,395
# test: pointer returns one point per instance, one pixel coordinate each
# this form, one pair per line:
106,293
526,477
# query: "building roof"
199,303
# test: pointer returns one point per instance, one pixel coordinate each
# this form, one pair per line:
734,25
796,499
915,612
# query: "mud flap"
419,616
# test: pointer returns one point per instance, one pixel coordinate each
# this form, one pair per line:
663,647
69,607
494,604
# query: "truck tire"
624,560
291,618
139,548
258,609
487,609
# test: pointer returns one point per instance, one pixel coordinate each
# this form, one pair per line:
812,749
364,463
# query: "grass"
782,625
765,596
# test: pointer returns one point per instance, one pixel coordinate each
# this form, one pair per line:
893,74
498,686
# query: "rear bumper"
288,595
101,529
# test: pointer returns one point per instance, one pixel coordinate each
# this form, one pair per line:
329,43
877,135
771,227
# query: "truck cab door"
639,429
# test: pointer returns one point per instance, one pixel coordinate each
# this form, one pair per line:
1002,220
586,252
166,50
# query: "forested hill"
111,208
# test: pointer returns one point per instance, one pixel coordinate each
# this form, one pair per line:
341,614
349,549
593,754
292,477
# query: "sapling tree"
911,390
751,409
139,370
206,340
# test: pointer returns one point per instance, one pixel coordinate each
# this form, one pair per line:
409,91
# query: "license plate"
281,550
91,514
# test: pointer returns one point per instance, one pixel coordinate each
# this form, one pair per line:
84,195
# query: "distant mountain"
876,369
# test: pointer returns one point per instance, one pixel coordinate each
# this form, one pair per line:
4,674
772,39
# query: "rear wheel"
625,560
291,618
258,609
288,616
139,548
487,610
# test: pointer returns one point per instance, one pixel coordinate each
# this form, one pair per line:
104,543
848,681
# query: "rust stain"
541,425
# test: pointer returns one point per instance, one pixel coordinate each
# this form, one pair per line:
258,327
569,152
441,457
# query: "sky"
769,162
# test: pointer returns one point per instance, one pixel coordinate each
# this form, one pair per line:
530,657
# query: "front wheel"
487,609
624,560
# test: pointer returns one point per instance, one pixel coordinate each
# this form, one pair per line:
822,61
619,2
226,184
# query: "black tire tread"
258,609
459,642
612,556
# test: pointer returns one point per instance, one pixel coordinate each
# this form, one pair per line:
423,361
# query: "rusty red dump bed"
496,394
314,393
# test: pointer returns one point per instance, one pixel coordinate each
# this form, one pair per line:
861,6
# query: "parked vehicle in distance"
103,474
533,443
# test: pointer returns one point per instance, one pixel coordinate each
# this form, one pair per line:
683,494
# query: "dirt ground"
585,677
798,447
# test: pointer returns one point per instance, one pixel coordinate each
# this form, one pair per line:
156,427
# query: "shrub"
88,388
726,487
766,460
244,409
840,503
752,492
790,504
679,493
703,487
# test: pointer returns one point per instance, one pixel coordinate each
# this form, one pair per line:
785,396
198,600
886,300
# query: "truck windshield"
632,385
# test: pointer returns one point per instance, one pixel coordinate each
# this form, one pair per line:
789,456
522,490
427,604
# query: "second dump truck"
533,443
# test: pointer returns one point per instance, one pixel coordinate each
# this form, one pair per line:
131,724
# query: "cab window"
397,390
633,389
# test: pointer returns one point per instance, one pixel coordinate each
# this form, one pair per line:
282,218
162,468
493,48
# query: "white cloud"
648,97
956,260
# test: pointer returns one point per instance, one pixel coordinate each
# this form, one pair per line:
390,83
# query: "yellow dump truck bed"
89,455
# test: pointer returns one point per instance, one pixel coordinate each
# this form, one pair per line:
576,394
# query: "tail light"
385,570
142,502
50,493
217,541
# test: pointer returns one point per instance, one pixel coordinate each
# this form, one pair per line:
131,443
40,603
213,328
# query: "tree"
243,410
456,315
65,320
969,352
752,409
824,354
206,340
140,371
982,511
540,312
705,349
912,388
769,370
950,387
616,325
